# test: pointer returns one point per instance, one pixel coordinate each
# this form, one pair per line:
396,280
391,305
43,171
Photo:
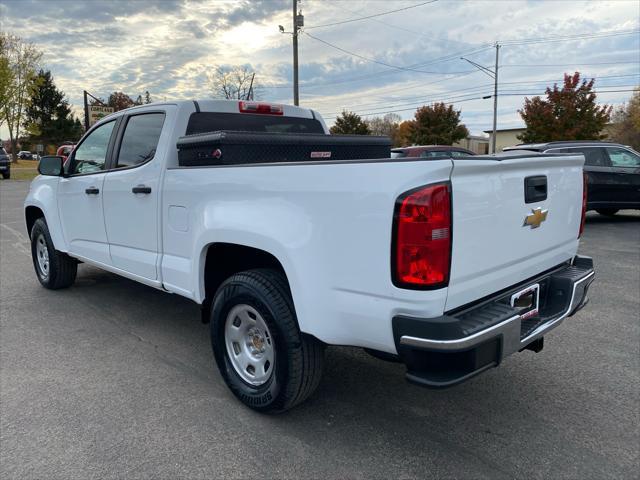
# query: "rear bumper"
447,350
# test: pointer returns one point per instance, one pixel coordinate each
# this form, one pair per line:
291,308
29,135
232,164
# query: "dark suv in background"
613,172
5,164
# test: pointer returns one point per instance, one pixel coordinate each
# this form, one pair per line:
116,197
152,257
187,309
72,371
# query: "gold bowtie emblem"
536,218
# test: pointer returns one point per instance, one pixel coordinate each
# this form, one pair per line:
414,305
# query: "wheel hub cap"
249,345
42,255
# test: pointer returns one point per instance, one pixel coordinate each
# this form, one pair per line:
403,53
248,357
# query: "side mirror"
51,165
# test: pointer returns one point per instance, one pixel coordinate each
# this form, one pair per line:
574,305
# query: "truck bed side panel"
329,225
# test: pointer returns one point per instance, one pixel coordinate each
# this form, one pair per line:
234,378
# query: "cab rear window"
201,122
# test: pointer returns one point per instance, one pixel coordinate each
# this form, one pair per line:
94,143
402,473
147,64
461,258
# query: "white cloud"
169,47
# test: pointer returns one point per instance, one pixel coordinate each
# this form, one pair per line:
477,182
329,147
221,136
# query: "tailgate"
492,247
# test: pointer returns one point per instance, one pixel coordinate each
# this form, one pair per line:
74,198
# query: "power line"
407,69
481,89
462,98
567,64
453,56
511,65
563,38
371,16
593,91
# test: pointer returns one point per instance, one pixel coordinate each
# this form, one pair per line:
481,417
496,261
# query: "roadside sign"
96,112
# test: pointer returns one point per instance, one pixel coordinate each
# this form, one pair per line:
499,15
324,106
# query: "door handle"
92,191
141,189
535,189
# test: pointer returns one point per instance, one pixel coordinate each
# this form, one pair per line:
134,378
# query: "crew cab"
292,239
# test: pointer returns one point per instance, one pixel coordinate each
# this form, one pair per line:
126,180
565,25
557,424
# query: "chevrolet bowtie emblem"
536,218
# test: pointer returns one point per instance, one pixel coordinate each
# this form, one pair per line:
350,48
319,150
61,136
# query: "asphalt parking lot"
114,379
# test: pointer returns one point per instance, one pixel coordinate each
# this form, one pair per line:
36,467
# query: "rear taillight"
261,108
584,203
422,238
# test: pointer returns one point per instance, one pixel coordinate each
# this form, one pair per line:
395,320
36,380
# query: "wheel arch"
31,214
222,259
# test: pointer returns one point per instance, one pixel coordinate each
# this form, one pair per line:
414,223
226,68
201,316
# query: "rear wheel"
54,269
609,212
6,175
265,360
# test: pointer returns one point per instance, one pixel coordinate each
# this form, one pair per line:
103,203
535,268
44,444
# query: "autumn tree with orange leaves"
568,113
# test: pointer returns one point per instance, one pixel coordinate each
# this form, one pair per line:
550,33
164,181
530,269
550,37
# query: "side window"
91,154
623,158
593,156
140,139
458,154
433,154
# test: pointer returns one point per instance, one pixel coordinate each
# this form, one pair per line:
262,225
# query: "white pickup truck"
292,239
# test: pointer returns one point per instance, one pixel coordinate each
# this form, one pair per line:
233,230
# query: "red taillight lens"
422,242
584,203
262,108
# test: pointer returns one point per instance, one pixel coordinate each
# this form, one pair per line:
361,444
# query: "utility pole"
495,102
493,74
296,96
298,23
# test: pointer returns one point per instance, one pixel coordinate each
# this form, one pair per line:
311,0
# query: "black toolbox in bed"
240,148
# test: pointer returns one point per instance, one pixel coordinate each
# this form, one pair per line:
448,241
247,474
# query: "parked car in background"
65,150
613,172
25,155
431,151
5,164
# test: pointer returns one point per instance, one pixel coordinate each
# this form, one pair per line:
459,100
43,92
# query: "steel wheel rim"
42,255
249,345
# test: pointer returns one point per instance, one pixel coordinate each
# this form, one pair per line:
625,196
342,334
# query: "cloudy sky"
393,62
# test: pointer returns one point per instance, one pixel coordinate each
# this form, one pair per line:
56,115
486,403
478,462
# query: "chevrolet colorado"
291,239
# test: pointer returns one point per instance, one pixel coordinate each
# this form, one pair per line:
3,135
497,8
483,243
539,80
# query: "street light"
493,74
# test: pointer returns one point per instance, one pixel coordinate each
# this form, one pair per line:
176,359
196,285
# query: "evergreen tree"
349,123
48,117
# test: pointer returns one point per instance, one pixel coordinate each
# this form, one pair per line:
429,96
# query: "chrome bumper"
423,343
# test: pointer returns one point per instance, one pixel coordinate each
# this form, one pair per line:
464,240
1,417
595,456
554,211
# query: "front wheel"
54,269
265,360
6,175
608,212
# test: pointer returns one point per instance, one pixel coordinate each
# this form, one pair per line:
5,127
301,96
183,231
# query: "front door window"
91,154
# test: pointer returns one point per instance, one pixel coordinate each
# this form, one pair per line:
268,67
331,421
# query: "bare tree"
234,83
19,61
385,126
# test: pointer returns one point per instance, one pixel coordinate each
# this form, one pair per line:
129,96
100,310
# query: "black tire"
608,212
6,175
62,269
298,357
